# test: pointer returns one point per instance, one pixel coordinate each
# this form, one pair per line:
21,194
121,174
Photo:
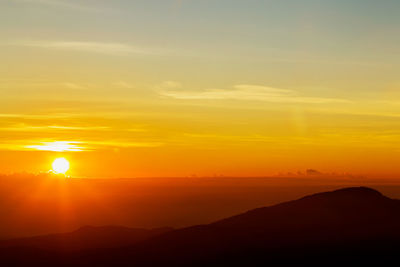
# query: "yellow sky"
181,88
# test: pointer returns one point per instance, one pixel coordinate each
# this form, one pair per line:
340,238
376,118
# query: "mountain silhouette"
350,226
87,237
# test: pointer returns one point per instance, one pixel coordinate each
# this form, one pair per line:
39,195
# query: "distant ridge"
346,227
87,237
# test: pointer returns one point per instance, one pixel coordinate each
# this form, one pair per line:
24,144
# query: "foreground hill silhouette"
351,226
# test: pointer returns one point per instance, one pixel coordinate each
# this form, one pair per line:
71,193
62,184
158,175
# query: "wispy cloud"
93,47
75,86
75,146
29,128
125,144
39,116
124,85
77,5
246,92
58,146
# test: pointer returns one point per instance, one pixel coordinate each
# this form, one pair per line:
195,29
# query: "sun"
60,165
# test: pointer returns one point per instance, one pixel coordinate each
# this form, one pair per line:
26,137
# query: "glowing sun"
60,165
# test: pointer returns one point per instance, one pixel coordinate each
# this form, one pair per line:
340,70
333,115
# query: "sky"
208,88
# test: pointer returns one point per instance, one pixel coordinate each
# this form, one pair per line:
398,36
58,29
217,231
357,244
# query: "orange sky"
182,88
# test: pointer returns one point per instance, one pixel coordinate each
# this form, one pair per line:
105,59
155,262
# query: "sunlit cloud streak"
29,128
75,5
76,146
248,92
58,146
83,46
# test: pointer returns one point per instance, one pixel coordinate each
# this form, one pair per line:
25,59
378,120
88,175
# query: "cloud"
38,116
247,92
93,47
75,146
61,4
171,84
29,128
124,85
125,144
74,86
58,146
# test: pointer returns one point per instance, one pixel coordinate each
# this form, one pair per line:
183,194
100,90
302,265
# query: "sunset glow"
199,133
297,91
